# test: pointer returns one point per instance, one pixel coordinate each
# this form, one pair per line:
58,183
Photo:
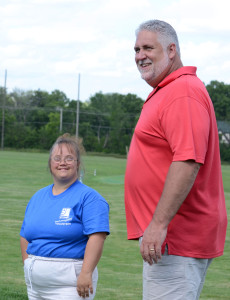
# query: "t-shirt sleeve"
186,123
95,216
22,229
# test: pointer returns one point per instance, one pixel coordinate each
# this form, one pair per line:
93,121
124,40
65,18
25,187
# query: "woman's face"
64,164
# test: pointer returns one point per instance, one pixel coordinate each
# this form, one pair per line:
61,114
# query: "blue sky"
46,43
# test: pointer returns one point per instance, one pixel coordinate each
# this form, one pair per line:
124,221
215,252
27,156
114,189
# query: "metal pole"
61,117
3,112
77,112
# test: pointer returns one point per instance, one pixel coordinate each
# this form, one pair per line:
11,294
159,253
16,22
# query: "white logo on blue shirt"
64,218
65,213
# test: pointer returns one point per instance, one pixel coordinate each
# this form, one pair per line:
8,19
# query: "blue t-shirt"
58,226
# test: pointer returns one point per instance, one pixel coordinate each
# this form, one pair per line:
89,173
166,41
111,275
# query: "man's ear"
172,50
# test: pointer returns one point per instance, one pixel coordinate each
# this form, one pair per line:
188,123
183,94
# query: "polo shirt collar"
171,77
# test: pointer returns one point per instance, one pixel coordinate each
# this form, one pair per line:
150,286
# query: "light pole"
77,112
3,112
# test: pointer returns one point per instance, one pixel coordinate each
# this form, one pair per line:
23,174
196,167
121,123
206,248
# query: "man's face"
151,59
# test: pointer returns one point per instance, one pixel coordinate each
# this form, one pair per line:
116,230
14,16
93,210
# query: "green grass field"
120,268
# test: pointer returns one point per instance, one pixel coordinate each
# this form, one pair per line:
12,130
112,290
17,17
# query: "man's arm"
179,181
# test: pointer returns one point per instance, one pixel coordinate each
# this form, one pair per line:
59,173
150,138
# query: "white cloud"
53,35
46,43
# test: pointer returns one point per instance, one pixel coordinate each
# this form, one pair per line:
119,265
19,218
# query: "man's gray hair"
166,33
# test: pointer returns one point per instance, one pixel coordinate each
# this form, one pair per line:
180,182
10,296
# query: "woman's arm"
24,243
92,256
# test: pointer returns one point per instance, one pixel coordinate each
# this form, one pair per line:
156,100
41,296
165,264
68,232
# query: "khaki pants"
174,278
54,278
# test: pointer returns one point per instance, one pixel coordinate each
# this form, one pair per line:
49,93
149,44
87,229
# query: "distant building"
224,131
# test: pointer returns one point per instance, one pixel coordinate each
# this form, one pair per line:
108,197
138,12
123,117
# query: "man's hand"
152,241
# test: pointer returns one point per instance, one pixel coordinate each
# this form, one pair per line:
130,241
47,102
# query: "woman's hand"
84,284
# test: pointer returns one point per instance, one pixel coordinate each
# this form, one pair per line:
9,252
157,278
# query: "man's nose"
140,55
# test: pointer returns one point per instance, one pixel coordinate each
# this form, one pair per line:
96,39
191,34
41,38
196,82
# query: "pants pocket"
26,266
78,267
53,273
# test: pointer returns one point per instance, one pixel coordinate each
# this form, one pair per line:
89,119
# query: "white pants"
54,278
174,278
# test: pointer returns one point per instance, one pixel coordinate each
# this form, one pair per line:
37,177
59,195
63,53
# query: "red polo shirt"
178,123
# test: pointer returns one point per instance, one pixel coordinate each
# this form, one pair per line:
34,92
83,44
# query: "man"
174,196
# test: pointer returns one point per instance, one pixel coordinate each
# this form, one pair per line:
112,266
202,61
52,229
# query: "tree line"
34,119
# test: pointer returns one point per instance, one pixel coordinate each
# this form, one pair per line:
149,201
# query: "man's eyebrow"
143,47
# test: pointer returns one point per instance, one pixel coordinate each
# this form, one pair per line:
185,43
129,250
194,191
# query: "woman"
63,231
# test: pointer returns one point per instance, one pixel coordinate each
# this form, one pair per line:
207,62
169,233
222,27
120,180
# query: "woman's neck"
60,187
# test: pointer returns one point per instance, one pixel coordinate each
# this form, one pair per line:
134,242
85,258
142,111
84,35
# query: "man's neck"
173,66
